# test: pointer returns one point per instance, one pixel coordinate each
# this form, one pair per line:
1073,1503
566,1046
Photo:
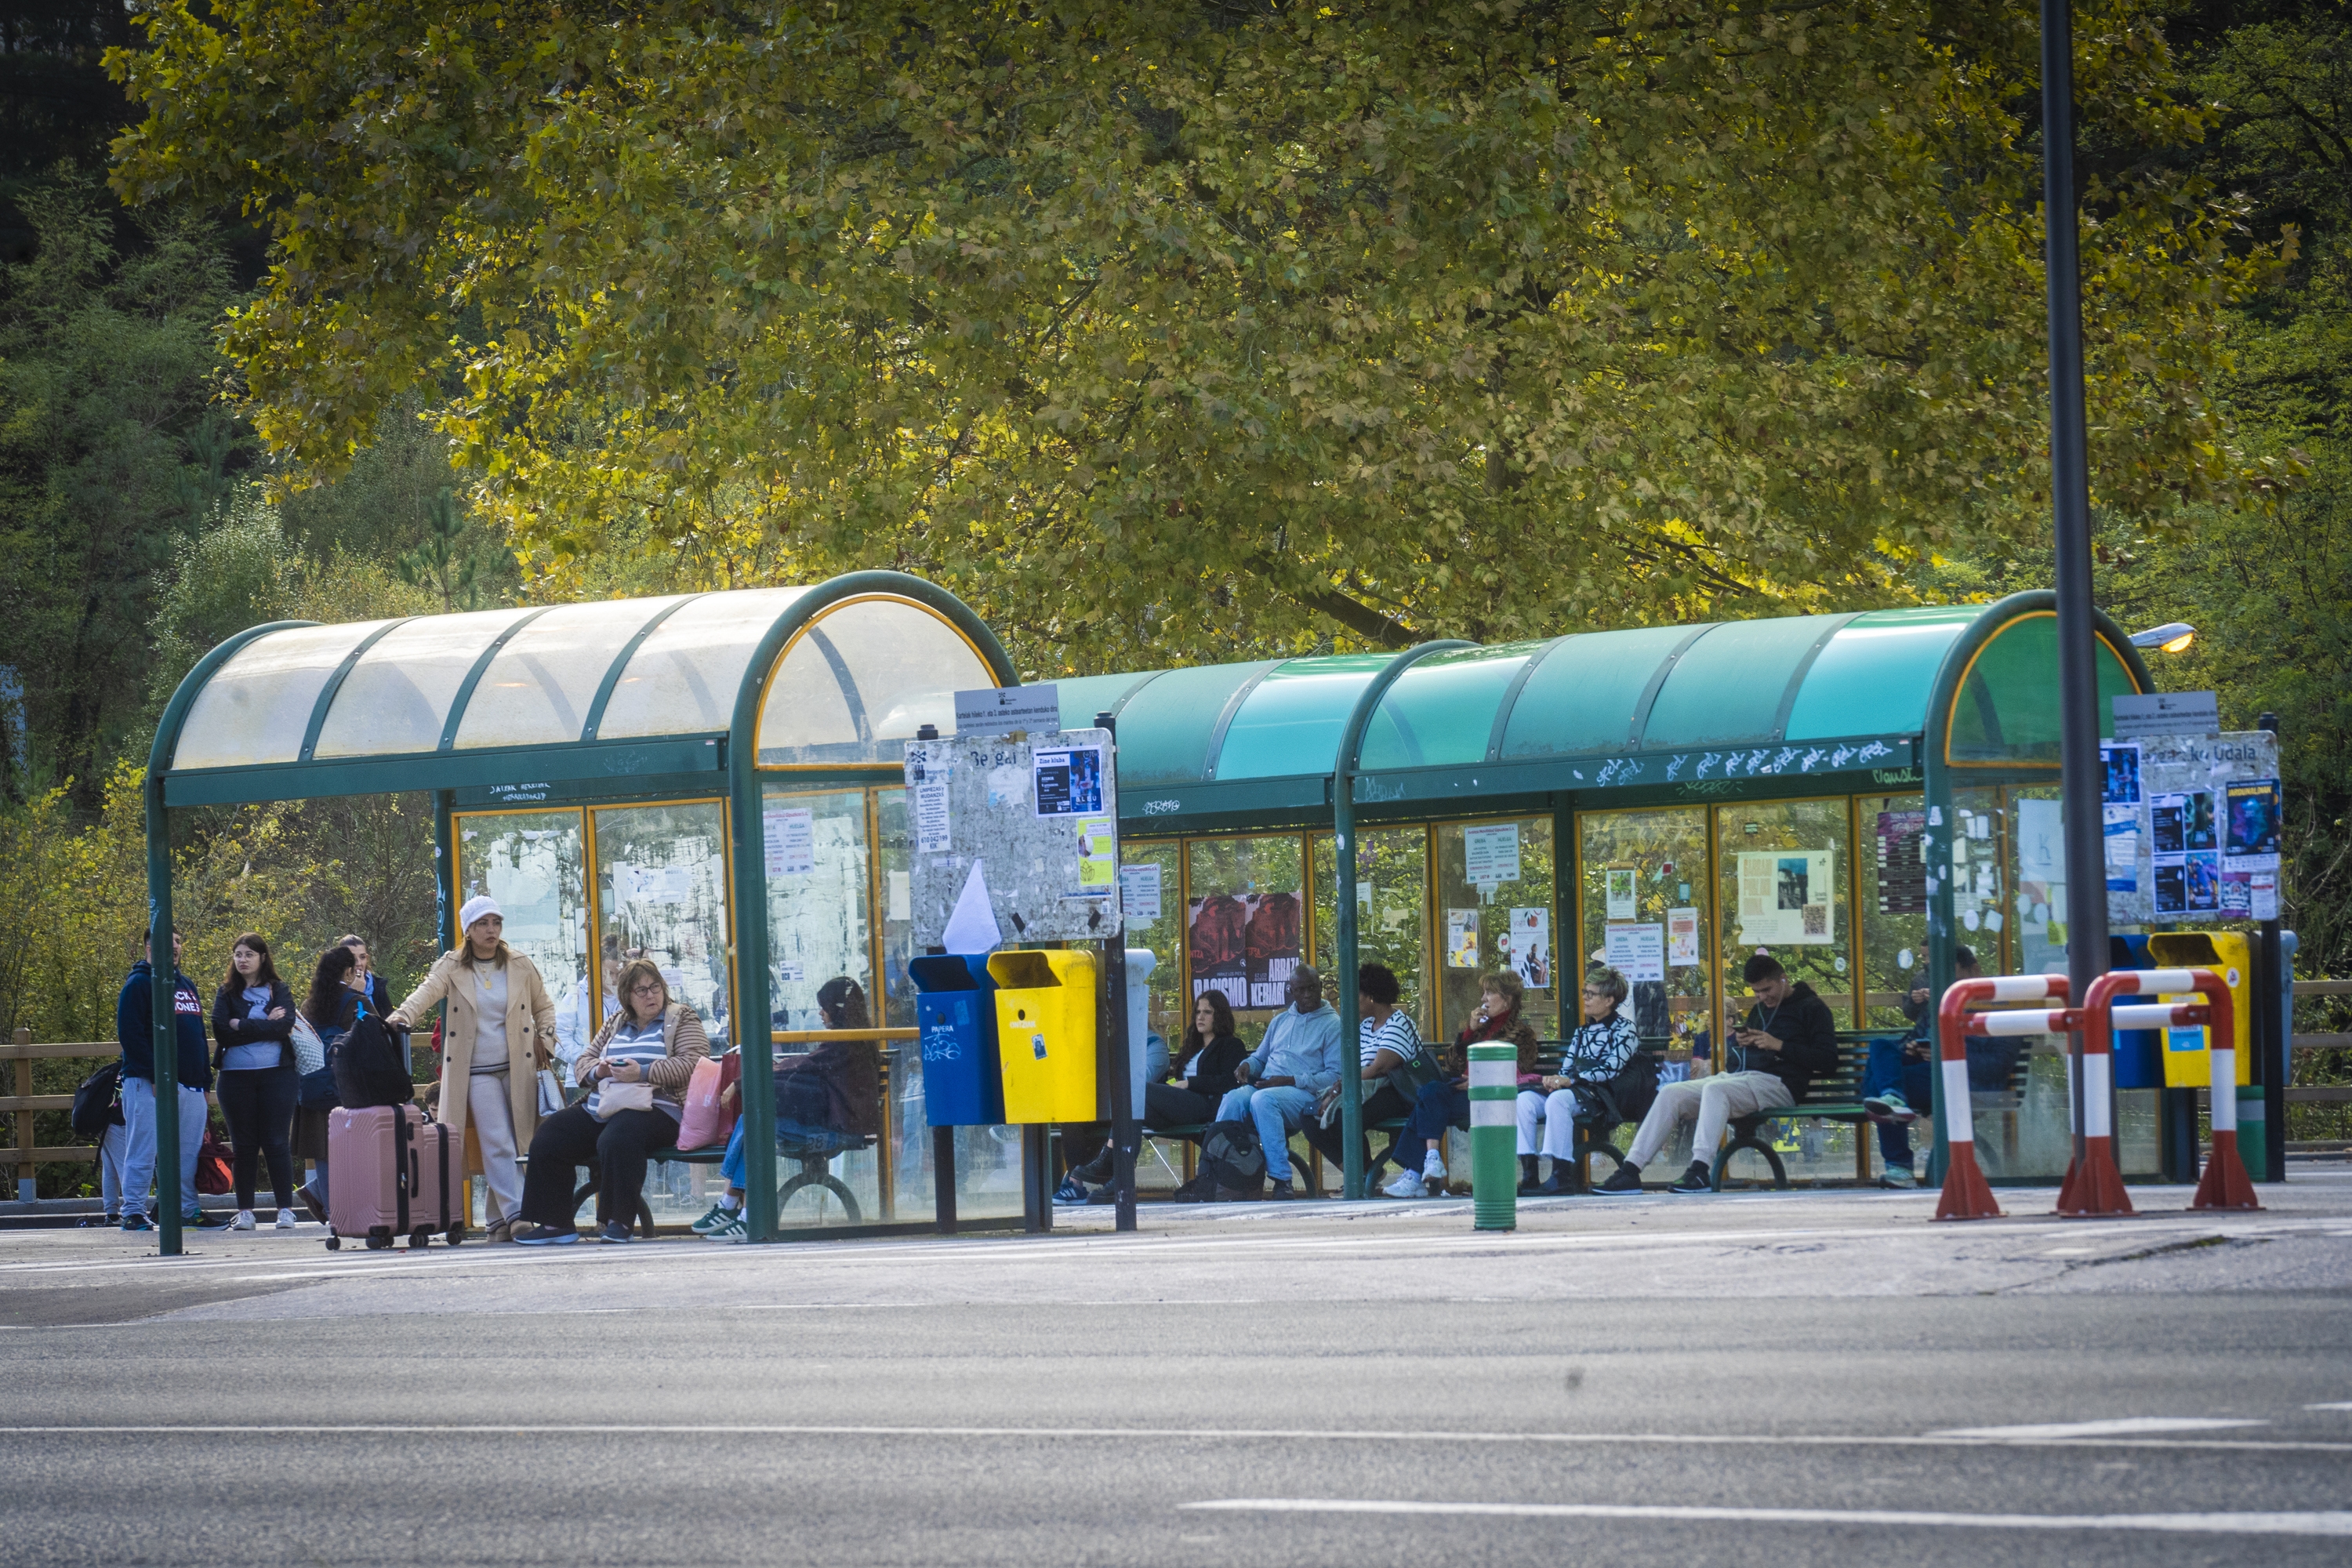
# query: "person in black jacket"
1788,1037
253,1030
135,1027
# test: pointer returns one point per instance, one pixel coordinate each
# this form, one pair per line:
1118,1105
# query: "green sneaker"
732,1229
719,1218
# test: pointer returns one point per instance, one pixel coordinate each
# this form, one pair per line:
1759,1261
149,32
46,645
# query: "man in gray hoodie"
1282,1079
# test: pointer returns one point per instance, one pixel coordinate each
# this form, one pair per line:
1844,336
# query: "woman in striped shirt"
1386,1040
636,1070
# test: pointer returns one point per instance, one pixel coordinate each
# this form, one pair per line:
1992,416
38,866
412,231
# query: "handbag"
707,1121
550,1092
614,1098
310,1051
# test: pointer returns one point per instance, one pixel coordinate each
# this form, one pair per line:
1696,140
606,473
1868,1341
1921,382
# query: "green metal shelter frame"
1926,698
711,695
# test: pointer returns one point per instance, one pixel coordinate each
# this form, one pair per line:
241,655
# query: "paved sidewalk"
1798,1245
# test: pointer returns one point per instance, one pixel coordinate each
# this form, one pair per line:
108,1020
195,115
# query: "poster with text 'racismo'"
1246,945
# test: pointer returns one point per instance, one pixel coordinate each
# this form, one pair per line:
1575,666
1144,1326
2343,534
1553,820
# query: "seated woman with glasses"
636,1070
1599,1049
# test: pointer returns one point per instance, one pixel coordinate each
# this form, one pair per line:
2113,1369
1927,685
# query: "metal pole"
943,1181
1126,1135
2273,1043
162,978
2070,494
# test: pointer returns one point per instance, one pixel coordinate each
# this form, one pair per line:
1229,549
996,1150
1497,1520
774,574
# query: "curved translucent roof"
858,679
1595,694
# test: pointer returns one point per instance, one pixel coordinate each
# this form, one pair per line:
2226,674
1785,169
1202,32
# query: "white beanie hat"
478,906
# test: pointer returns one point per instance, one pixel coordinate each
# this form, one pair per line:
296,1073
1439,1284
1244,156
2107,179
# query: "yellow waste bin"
2186,1064
1045,1034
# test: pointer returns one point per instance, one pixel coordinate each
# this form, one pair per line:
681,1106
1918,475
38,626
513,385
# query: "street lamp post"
2070,497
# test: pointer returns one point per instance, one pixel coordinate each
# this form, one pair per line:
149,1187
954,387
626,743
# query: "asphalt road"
1782,1380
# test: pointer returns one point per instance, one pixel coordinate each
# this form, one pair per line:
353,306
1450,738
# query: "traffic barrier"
1966,1194
2094,1187
2224,1185
1494,1136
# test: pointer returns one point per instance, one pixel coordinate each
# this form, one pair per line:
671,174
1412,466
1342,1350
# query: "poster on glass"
1246,945
1786,898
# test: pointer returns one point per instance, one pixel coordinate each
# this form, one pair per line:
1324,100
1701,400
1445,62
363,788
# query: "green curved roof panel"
1727,687
1585,694
1290,723
2006,710
1442,711
1166,729
1875,674
1082,697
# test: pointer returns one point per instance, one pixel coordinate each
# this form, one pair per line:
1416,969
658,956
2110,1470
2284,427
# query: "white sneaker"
1408,1185
1433,1170
285,1220
244,1220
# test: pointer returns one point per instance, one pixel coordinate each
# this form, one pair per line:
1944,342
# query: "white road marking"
1158,1434
2325,1524
2118,1427
2341,1404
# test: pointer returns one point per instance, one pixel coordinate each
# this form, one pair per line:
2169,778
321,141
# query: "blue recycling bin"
2139,1053
955,1013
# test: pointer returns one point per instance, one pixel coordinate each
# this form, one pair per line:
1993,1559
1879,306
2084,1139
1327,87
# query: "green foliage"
111,448
1160,333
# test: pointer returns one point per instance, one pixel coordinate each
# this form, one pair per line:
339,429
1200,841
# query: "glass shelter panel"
531,863
539,687
1161,931
1643,898
1243,917
661,893
396,698
1784,870
865,675
685,676
1494,911
257,706
1894,873
1391,913
817,898
1442,710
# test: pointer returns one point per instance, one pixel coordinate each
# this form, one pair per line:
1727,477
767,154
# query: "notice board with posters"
1014,841
2191,828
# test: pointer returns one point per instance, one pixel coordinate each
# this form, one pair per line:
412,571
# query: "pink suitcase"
390,1174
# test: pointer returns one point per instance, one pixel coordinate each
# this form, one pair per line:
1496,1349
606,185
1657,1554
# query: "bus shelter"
1861,794
714,780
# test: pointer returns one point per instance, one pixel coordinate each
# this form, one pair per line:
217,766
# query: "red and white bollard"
2224,1185
1966,1194
2094,1187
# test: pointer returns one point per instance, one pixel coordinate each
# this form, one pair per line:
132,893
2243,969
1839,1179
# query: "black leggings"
570,1139
259,1106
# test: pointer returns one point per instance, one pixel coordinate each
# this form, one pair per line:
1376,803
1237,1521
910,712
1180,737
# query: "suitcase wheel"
377,1243
456,1233
335,1243
422,1237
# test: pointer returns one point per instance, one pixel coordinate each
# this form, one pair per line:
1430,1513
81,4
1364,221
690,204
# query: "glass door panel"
1643,904
661,893
1494,884
1163,933
531,862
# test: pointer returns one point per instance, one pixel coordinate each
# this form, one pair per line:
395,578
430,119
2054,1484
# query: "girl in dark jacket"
253,1032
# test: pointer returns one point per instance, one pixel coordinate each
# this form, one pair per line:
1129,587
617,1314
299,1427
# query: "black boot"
1527,1187
1097,1171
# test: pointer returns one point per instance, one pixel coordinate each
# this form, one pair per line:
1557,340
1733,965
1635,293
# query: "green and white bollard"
1494,1136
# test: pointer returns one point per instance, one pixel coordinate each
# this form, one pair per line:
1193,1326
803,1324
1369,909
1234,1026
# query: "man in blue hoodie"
134,1027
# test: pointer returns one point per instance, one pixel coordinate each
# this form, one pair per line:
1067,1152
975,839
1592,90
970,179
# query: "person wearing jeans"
1898,1080
134,1028
1281,1080
1789,1038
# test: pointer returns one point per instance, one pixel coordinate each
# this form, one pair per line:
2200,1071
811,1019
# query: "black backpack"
1233,1162
97,1103
1636,1088
371,1065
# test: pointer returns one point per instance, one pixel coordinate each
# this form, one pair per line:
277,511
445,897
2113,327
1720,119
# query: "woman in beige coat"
498,1031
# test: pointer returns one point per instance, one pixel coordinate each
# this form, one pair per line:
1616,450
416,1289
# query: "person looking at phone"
1788,1038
